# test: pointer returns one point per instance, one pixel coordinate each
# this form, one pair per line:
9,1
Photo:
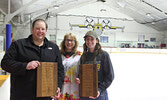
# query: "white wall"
1,43
165,37
131,31
21,31
60,26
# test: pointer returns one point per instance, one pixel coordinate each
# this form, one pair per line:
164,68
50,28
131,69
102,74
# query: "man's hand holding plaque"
47,79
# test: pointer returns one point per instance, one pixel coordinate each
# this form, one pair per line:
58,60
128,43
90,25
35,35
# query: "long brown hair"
62,45
97,51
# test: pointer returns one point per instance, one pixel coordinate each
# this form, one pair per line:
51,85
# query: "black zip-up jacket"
105,69
15,60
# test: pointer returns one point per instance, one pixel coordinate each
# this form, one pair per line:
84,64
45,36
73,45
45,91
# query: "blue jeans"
103,96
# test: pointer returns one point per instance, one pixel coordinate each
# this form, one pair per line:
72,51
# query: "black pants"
47,98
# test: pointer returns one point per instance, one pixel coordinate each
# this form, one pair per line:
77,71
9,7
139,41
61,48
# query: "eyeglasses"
68,40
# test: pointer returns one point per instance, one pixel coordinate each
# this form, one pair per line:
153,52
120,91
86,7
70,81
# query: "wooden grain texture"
47,79
88,80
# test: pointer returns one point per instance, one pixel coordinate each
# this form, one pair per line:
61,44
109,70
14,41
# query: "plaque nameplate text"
88,76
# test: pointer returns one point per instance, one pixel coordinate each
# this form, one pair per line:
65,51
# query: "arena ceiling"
152,13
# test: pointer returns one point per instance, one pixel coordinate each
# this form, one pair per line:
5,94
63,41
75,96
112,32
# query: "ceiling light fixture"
148,14
101,0
56,6
103,10
152,23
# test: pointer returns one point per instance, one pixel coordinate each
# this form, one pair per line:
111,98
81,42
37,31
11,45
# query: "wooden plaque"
88,80
46,79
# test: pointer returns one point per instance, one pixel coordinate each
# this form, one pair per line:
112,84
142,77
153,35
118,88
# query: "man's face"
39,31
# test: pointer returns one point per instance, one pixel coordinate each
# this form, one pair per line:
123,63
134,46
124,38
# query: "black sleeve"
60,69
108,73
9,62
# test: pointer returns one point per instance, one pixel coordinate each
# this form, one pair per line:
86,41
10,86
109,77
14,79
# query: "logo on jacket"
50,48
98,67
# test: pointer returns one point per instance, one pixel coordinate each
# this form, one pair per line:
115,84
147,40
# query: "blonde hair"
63,47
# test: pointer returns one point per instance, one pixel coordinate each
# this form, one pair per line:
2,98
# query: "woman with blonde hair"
71,59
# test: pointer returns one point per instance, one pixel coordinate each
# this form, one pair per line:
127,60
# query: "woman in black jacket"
24,56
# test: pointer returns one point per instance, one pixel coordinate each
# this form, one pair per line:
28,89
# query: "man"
24,56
